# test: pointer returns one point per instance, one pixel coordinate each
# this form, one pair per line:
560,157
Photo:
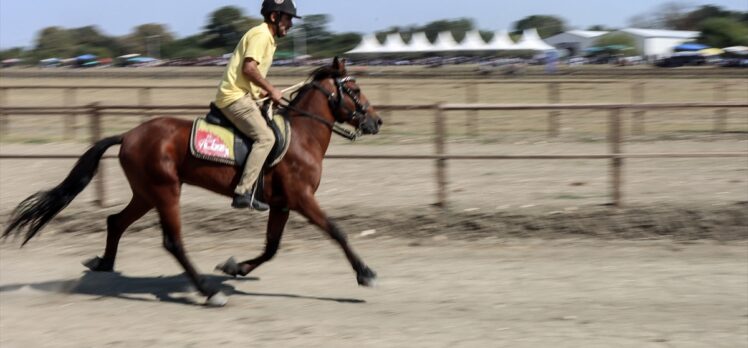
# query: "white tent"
419,43
473,42
444,42
501,41
394,43
369,44
531,41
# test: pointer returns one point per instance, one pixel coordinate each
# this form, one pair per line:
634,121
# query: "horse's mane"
319,74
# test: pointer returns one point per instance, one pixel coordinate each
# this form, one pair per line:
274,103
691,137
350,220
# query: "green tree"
546,25
16,52
458,27
148,39
723,32
692,20
54,42
226,27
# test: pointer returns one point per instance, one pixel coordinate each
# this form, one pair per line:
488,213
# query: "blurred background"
549,173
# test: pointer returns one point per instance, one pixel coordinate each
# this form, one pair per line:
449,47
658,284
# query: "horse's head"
348,103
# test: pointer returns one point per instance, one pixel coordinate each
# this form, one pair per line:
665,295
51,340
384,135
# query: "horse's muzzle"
371,125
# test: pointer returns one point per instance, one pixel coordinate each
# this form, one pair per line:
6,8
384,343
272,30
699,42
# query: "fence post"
4,120
384,94
471,97
638,97
144,99
95,124
720,115
441,163
70,119
554,97
616,163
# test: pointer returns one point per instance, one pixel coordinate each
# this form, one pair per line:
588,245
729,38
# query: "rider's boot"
249,200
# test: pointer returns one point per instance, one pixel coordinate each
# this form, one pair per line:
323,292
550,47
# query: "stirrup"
255,202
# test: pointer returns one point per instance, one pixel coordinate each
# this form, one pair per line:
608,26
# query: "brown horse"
156,160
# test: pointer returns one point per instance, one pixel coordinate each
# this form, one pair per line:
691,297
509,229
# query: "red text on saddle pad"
210,144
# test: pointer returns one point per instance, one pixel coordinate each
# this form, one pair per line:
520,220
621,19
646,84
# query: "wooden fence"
615,156
471,88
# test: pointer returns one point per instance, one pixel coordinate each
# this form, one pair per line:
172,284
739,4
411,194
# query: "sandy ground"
433,292
527,256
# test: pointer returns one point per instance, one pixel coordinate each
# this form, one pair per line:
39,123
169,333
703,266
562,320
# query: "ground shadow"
174,289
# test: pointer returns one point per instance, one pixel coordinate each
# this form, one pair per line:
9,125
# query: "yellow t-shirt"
259,44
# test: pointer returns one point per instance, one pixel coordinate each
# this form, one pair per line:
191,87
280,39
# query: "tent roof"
394,43
501,41
444,42
419,43
473,41
369,44
531,41
649,33
587,33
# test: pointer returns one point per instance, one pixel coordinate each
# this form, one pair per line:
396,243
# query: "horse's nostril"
379,122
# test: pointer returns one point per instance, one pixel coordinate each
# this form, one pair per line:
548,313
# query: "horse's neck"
309,130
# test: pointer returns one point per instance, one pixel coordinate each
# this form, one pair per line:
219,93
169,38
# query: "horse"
156,161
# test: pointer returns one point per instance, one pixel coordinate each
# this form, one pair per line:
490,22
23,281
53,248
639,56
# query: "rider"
244,83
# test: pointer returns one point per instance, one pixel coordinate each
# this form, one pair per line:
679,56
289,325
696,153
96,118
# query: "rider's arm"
253,74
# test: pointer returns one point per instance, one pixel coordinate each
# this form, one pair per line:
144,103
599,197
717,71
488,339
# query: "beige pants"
246,115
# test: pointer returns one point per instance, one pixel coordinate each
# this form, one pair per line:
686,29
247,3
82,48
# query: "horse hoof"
229,267
96,264
217,300
367,278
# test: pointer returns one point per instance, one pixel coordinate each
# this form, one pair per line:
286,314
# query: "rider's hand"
275,95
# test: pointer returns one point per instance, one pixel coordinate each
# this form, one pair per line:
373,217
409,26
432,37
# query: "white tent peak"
473,41
444,42
394,43
531,41
369,44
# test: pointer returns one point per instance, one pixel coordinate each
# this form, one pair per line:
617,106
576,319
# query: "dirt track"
653,275
433,292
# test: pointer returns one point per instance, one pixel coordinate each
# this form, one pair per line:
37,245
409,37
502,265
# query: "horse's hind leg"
116,225
276,225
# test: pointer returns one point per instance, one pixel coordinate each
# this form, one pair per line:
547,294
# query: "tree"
54,42
665,16
226,27
723,32
458,27
546,25
693,19
148,39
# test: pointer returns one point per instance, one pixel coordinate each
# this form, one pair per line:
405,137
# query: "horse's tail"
38,209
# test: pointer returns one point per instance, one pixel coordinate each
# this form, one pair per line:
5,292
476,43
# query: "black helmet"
285,6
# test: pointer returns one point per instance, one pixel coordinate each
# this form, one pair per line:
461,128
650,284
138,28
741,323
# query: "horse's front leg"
276,225
309,208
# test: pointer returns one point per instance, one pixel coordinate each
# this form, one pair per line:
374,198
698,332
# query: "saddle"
215,138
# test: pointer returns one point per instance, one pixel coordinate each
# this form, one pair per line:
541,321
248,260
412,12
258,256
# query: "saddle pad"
225,145
212,142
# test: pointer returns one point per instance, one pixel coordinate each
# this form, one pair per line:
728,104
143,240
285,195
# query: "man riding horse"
244,82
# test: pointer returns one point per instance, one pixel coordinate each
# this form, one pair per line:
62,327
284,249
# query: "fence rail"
615,156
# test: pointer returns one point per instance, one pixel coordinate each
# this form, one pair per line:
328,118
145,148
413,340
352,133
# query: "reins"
334,126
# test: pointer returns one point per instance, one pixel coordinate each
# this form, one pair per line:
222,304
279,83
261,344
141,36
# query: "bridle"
336,103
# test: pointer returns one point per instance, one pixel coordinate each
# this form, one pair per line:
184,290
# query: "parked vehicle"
681,59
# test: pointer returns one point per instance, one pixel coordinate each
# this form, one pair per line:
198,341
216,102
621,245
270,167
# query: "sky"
21,20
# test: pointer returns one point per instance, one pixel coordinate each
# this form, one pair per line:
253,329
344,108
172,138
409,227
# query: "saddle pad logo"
211,144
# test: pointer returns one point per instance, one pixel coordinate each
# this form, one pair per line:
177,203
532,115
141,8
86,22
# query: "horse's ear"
338,64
